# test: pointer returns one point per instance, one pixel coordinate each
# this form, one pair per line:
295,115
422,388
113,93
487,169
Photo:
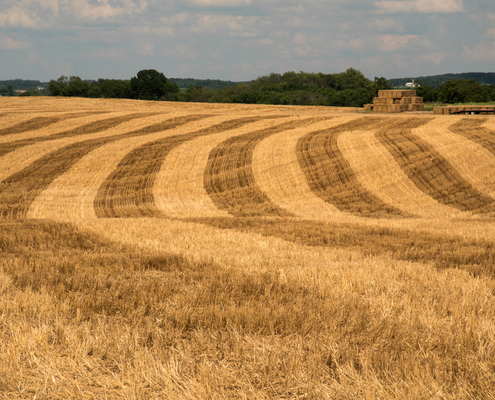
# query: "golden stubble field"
155,250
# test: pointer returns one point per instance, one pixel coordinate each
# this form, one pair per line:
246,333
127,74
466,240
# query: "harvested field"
199,251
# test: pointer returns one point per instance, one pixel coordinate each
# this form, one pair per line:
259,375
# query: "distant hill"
185,83
435,81
21,84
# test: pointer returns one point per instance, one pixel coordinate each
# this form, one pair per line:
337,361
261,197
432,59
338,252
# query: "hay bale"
416,107
368,107
379,101
438,110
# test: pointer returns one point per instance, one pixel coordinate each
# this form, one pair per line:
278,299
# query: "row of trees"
346,89
458,91
350,88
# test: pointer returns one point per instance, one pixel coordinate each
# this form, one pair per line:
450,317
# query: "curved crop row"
18,191
431,172
473,130
330,175
228,176
90,127
41,122
127,192
474,255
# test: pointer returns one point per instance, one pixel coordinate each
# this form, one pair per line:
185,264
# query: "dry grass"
241,302
330,176
432,173
128,190
229,178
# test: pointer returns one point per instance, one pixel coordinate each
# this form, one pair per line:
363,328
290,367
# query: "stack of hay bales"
394,101
468,109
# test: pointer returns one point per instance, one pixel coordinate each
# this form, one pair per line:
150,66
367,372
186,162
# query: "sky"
240,40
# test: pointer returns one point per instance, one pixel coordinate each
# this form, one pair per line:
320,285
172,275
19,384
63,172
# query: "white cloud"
393,42
111,53
419,6
17,17
7,43
220,3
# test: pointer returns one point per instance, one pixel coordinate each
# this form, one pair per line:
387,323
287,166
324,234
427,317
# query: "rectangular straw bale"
379,101
379,108
368,107
416,100
438,110
408,93
394,108
386,93
416,107
406,100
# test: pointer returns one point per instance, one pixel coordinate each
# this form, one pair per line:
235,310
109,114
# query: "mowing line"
476,255
277,173
179,190
21,158
432,173
329,174
460,150
229,179
90,127
474,130
72,195
378,172
37,123
128,190
18,191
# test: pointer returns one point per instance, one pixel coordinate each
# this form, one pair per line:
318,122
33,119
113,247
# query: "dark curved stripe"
475,255
127,192
330,175
229,179
432,173
41,122
18,191
473,130
91,127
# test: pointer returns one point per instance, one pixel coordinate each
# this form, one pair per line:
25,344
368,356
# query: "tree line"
435,81
346,89
458,91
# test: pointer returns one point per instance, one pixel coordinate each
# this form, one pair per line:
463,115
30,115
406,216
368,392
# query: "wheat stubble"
330,176
19,190
378,171
432,173
179,190
128,190
229,179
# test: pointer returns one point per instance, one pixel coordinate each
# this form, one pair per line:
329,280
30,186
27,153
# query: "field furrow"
85,129
474,130
128,191
443,251
72,195
278,174
379,173
19,190
329,174
432,173
179,190
229,179
37,123
460,151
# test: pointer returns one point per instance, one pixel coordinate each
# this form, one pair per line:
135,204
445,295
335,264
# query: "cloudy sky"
244,39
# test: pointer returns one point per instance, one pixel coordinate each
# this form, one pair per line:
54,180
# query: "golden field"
154,250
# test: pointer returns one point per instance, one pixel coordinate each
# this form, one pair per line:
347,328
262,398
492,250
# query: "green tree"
462,91
56,88
150,84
